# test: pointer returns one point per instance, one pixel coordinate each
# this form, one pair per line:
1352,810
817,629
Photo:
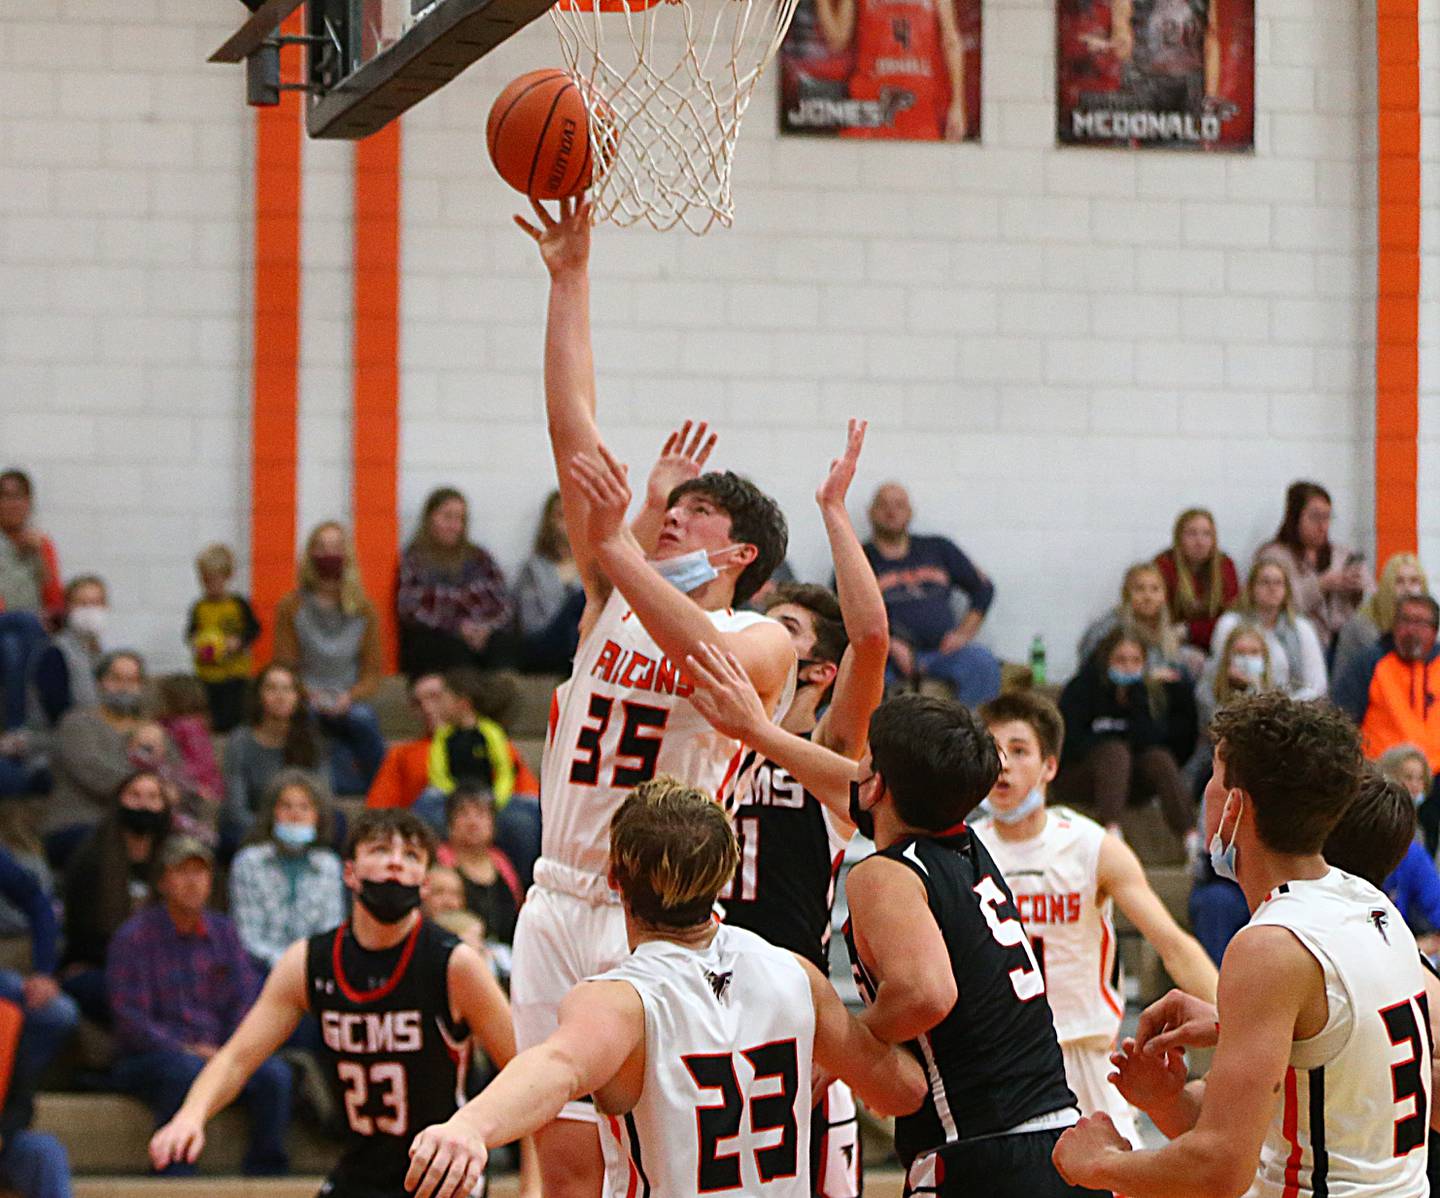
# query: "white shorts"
835,1144
560,940
1088,1069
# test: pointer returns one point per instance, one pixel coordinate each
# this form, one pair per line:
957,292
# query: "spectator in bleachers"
29,566
182,710
24,764
279,733
327,632
286,885
1407,765
1297,658
549,599
1401,577
452,602
1241,666
1127,733
220,630
1143,609
97,748
1328,580
1200,578
405,771
444,892
472,748
108,879
921,578
180,982
62,674
490,883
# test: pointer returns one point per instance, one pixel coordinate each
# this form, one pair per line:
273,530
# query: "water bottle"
1037,661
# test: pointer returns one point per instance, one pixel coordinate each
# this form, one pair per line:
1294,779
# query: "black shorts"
1017,1166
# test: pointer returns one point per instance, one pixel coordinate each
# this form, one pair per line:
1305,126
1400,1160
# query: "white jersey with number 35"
623,717
1355,1102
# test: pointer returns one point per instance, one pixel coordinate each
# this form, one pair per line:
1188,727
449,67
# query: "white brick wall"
1057,349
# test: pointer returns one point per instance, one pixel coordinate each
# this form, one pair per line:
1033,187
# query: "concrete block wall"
1057,350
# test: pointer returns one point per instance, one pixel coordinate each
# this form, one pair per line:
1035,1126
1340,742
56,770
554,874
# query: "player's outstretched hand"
842,470
682,458
1178,1020
1148,1080
446,1161
724,694
182,1139
1080,1152
604,481
564,243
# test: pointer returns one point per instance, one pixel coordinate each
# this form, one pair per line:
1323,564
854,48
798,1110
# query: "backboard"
367,61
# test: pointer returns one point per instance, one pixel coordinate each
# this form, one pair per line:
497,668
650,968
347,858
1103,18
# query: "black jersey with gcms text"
394,1054
993,1062
784,886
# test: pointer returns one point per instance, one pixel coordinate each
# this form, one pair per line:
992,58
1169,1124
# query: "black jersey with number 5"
993,1062
395,1056
784,887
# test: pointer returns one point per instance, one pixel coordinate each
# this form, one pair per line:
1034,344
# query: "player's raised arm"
860,682
261,1033
1121,877
677,623
601,1025
682,457
569,364
479,1001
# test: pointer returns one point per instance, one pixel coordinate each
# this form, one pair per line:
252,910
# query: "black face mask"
864,821
144,822
389,901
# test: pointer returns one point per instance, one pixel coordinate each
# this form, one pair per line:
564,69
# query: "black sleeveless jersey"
993,1062
395,1057
784,887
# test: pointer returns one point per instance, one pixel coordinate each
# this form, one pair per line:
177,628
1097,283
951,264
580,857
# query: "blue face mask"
295,836
688,572
1124,677
1030,804
1222,856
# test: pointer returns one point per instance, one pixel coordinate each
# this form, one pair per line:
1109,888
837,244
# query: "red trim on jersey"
1105,991
952,830
554,717
620,1140
730,771
1290,1127
381,991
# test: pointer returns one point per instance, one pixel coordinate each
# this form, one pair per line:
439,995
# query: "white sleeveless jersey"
1356,1097
622,717
1053,878
725,1104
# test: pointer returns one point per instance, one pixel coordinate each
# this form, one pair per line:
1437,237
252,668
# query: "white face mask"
90,621
690,571
1027,807
1252,665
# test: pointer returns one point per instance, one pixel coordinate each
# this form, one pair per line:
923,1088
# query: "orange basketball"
539,135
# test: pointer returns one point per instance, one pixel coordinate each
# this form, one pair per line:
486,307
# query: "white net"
669,82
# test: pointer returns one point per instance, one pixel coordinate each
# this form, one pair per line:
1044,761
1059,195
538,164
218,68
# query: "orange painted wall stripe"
376,371
1397,303
275,366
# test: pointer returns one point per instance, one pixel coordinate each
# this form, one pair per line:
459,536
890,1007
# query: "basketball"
538,135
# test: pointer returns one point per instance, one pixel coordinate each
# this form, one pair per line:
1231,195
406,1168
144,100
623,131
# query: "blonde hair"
1224,688
672,851
1186,596
1380,607
1393,760
1165,636
460,923
216,559
352,594
448,872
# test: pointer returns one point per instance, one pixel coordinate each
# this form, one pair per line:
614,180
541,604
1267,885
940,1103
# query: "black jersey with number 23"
395,1056
993,1062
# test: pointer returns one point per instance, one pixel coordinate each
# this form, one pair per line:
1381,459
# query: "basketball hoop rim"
612,6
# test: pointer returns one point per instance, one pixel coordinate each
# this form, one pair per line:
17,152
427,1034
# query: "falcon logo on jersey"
637,671
1381,919
720,983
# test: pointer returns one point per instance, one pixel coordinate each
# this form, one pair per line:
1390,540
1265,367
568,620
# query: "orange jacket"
1404,707
405,772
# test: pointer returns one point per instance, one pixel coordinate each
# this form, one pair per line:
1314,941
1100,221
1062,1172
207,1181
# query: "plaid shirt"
445,601
169,989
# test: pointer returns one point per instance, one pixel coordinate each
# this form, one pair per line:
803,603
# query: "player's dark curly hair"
824,608
1375,832
755,519
385,823
1300,764
936,758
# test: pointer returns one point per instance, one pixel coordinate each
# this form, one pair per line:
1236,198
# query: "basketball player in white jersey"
697,1047
624,715
1067,875
1320,1083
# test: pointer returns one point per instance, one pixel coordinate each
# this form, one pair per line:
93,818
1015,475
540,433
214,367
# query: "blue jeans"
46,1030
1217,911
35,1165
359,749
162,1079
972,671
21,635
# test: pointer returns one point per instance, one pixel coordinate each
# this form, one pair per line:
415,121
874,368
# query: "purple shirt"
169,989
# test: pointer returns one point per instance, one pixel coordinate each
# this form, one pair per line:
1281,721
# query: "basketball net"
669,82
